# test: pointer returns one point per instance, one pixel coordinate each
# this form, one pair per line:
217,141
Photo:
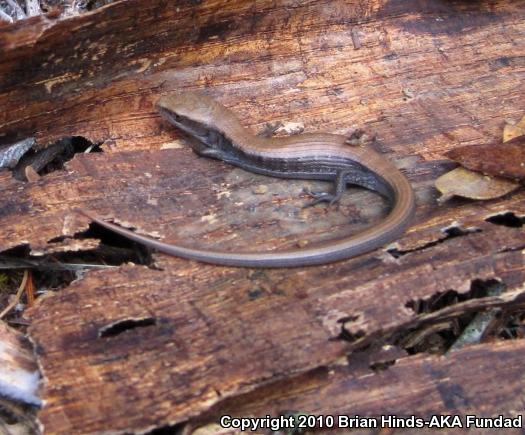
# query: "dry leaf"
473,185
506,159
511,131
497,159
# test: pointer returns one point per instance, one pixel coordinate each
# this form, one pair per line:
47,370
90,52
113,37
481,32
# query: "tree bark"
136,347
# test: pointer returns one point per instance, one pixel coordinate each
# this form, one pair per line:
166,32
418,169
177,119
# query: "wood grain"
137,348
419,385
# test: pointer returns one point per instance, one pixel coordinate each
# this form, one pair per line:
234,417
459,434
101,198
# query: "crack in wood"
121,326
449,233
479,288
508,219
444,313
43,161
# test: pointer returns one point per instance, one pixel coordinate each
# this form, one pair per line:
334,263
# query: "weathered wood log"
160,346
421,385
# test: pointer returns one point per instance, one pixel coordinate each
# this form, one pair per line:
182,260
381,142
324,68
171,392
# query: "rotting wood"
187,336
214,329
419,385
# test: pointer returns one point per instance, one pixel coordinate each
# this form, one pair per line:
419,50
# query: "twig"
476,328
30,290
17,296
46,265
414,339
514,298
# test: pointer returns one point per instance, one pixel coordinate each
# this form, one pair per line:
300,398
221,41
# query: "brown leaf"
473,185
497,159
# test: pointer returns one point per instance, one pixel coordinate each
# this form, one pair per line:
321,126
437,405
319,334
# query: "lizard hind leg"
334,197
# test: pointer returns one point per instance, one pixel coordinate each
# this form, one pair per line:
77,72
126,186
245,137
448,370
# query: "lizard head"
200,117
194,114
188,109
